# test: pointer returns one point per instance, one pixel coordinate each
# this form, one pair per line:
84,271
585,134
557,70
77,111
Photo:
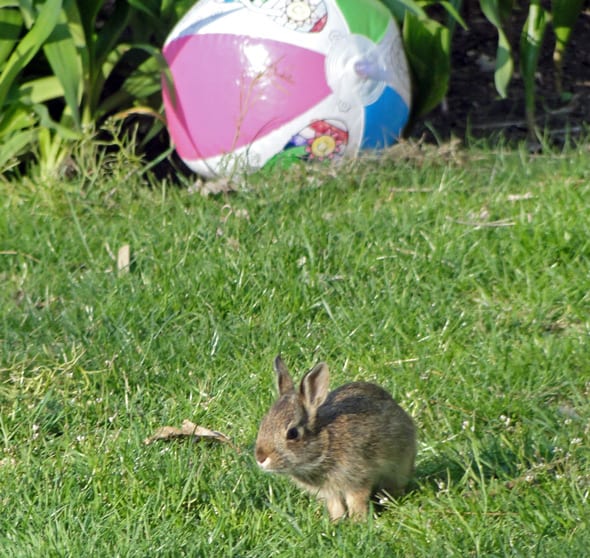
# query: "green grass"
460,283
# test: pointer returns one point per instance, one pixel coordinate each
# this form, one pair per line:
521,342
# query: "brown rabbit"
343,445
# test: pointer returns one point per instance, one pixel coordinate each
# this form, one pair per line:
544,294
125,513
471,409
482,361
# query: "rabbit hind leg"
336,507
357,503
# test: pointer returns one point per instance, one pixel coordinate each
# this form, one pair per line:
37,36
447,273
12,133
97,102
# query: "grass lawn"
458,281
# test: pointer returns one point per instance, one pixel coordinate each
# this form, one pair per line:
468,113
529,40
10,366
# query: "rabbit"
343,446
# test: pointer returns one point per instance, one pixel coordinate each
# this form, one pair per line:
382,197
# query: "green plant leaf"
16,132
149,8
11,24
65,132
104,61
531,40
29,45
26,8
62,54
111,32
53,149
505,8
87,18
565,13
493,11
399,8
451,8
40,90
15,118
427,47
14,146
144,81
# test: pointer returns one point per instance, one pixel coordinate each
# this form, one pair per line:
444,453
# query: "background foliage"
428,42
66,65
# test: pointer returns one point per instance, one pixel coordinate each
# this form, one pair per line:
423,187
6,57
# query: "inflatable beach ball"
261,80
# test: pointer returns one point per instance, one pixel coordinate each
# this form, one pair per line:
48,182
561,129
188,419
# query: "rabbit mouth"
266,465
270,466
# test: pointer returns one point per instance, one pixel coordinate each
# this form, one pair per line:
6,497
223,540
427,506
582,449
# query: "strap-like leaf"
427,47
11,24
565,13
29,45
62,54
492,9
531,40
399,8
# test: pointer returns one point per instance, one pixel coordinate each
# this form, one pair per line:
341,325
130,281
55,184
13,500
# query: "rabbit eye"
292,433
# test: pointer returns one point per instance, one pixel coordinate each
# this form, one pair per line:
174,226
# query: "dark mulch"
473,107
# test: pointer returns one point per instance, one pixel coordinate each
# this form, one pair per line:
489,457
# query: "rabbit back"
371,438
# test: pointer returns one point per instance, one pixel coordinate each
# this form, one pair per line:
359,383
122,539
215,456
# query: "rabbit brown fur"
342,445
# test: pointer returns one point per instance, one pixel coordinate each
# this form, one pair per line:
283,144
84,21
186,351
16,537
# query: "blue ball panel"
384,120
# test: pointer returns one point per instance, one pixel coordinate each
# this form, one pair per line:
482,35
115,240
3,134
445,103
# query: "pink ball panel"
232,90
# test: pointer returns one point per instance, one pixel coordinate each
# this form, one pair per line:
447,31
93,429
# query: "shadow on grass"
486,460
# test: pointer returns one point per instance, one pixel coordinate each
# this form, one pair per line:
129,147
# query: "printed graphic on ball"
305,16
321,140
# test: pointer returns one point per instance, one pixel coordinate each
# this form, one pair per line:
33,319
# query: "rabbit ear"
314,387
284,380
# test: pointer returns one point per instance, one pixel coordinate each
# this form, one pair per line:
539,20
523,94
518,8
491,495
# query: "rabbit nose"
261,457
